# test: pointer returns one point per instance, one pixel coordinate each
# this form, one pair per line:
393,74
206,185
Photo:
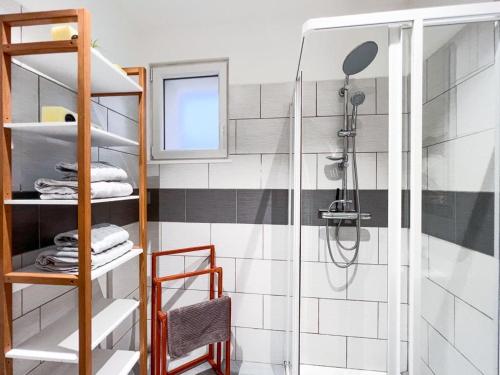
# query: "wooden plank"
84,205
5,193
41,278
143,223
37,48
39,18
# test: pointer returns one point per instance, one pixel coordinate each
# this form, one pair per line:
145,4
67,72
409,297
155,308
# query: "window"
189,110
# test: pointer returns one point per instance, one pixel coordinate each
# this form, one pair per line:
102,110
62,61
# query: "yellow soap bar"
57,114
64,32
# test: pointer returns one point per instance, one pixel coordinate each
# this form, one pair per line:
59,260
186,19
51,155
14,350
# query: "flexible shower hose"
339,225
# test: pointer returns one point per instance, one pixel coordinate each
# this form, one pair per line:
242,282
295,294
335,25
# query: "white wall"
261,37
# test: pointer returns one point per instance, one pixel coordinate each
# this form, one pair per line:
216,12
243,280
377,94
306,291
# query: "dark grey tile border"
35,226
464,218
267,206
210,206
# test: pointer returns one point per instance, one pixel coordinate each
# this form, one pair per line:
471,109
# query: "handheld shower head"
358,98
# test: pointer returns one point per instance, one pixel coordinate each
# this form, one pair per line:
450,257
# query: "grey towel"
58,189
102,237
52,259
197,325
99,171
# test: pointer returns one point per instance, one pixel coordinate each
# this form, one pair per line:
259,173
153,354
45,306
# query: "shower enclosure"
414,230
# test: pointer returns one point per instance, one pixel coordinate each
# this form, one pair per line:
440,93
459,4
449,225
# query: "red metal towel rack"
159,363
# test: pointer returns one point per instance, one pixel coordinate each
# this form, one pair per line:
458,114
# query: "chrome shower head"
359,58
358,98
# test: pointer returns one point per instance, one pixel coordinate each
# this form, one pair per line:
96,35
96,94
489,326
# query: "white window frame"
187,69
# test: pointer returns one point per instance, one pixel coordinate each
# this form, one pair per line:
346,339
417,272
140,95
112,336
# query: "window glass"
191,113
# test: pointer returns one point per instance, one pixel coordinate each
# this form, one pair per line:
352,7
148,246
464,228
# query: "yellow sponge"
57,114
64,32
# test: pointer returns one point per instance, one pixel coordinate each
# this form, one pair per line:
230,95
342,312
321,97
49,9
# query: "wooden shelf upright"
93,75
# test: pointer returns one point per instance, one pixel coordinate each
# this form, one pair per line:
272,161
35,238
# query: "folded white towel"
102,237
99,171
52,259
57,189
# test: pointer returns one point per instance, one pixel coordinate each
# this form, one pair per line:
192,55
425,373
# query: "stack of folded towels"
107,181
107,243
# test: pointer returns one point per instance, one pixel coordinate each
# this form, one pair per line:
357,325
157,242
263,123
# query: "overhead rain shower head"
359,58
358,98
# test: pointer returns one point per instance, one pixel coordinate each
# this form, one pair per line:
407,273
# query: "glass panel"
191,110
460,171
344,174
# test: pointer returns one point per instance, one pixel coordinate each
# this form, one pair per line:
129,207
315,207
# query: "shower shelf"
21,277
339,215
68,131
58,342
116,362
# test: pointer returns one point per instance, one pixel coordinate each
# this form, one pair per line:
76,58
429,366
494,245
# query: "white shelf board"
68,131
62,67
94,274
58,342
105,362
66,202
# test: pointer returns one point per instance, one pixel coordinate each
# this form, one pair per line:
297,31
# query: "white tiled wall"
337,305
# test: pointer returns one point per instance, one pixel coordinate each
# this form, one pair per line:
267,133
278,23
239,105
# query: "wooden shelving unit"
70,346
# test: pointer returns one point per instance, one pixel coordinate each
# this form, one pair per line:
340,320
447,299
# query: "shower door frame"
396,22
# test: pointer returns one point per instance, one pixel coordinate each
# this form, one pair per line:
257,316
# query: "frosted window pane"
191,113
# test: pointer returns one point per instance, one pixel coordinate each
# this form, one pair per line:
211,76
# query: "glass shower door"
460,132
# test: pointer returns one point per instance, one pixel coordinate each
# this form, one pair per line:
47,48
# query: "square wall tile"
261,276
242,172
309,243
438,308
277,242
276,312
319,134
323,280
266,136
330,175
259,345
309,315
439,118
368,248
184,176
246,310
366,354
445,359
475,337
348,318
313,350
238,240
275,171
367,283
309,171
24,95
382,321
308,98
212,205
331,103
244,101
126,105
171,265
464,273
276,99
180,235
